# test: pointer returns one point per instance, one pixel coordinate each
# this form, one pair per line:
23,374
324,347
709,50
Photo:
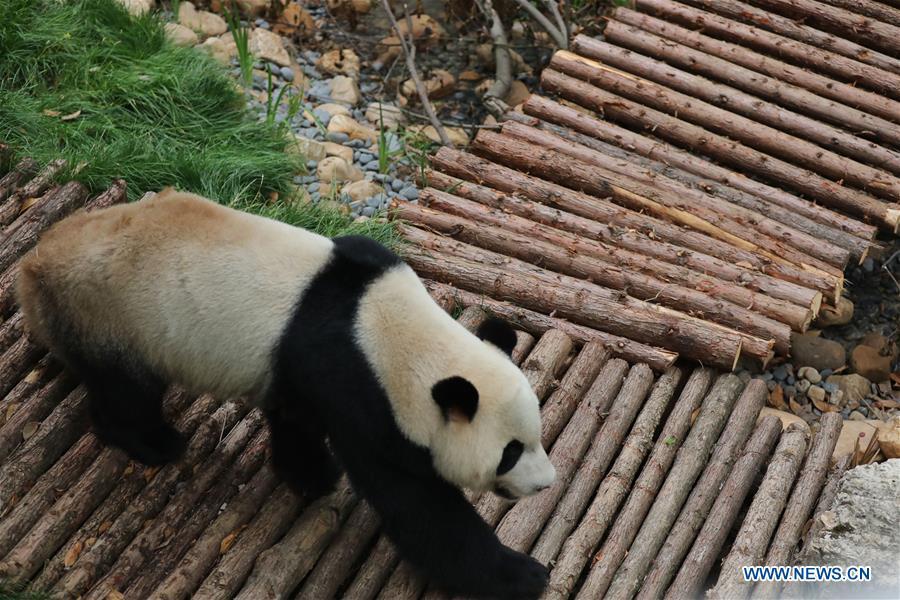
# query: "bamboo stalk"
803,499
858,248
583,302
711,538
749,547
699,502
644,243
544,108
567,260
576,550
818,58
771,114
35,187
472,168
719,147
593,522
691,459
872,33
537,323
799,31
813,162
279,569
585,170
863,108
20,174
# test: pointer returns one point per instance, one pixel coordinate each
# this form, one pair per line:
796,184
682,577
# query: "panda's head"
490,435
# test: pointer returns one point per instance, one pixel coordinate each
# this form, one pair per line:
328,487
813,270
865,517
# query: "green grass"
82,80
8,592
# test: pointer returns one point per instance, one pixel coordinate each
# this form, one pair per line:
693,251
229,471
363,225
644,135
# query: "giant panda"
338,342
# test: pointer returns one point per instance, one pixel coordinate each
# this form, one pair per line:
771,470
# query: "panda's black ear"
457,398
499,333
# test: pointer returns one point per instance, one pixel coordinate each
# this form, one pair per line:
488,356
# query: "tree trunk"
566,259
586,170
588,304
750,544
555,196
606,500
770,113
803,499
538,324
576,550
799,31
691,459
624,236
543,108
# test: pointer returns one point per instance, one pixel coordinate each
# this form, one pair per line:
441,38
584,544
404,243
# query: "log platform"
687,199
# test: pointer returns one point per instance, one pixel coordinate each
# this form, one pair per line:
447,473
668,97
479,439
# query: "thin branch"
409,52
494,97
561,23
558,36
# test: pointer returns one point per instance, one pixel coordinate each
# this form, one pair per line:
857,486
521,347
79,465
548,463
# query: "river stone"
809,350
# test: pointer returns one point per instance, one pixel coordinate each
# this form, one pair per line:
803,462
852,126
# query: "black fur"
456,395
427,518
499,333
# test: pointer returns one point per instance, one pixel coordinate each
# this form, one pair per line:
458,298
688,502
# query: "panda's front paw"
519,576
310,481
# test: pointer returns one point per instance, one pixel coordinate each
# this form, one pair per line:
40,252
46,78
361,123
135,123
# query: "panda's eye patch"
510,457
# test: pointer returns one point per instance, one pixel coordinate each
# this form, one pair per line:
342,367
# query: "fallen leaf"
26,204
228,542
71,116
104,526
115,595
29,429
795,407
33,375
72,555
51,113
823,406
895,377
149,472
776,398
10,410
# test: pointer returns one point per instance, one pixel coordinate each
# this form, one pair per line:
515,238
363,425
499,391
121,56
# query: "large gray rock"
861,529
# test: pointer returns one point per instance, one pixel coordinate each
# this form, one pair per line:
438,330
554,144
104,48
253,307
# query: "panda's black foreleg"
439,532
300,456
126,412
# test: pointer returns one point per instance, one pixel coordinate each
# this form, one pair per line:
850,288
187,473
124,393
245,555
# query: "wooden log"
279,569
582,302
537,323
858,248
114,194
274,518
704,492
374,572
471,318
337,562
721,148
592,524
576,551
872,33
690,461
586,170
21,173
23,233
799,31
563,402
684,81
185,527
749,547
826,498
17,361
711,538
858,102
181,507
566,259
110,545
472,168
11,330
817,58
524,344
35,187
574,456
642,242
546,362
35,400
754,135
202,555
43,495
544,108
45,370
802,501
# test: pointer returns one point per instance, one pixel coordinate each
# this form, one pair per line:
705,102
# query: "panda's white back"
201,292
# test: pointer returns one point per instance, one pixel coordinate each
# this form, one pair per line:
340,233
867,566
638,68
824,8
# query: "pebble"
312,164
809,374
803,385
368,211
313,187
868,265
410,193
338,137
397,185
287,74
830,387
781,373
323,116
767,377
826,372
791,380
305,179
857,416
816,393
790,391
371,166
771,385
262,23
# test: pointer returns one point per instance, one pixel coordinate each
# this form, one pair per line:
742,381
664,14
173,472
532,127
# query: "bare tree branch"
494,97
559,37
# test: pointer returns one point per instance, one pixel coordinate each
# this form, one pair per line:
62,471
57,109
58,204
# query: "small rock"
839,315
333,149
344,89
203,22
868,265
333,168
269,46
867,361
221,48
361,190
457,135
518,93
138,7
361,6
857,416
338,137
339,62
287,73
809,374
262,23
180,35
884,346
354,130
836,398
254,8
397,185
889,438
767,377
367,211
780,373
386,115
854,386
814,351
440,84
803,386
410,193
308,148
816,394
826,372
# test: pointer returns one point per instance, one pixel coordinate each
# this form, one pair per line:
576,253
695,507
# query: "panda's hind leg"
126,412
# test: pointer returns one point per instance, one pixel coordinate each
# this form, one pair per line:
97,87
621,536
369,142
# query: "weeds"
241,37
